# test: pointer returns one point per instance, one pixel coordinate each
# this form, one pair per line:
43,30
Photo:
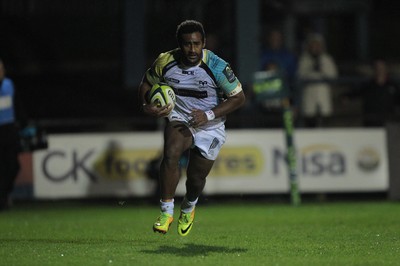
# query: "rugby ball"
162,94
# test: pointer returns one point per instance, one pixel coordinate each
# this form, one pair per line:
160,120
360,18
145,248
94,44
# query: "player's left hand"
199,118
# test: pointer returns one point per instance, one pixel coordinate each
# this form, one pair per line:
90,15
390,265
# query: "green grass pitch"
239,233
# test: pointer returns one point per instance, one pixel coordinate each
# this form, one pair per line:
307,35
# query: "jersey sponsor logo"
185,72
203,84
173,80
191,93
228,72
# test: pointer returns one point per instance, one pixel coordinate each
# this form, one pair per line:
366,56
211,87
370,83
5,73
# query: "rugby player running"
206,91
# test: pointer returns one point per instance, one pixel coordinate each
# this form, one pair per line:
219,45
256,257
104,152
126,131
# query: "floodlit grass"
241,233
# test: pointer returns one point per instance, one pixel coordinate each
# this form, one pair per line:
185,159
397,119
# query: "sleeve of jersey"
226,79
154,73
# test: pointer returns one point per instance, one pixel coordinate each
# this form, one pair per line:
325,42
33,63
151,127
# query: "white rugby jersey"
199,87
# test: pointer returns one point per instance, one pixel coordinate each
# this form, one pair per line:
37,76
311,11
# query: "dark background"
66,57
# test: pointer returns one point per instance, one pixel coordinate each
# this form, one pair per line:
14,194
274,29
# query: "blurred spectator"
10,113
315,67
380,97
276,53
269,89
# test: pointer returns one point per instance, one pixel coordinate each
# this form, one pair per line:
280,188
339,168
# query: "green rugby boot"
185,223
163,223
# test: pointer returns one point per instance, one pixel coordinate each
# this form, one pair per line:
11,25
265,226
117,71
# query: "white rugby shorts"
209,141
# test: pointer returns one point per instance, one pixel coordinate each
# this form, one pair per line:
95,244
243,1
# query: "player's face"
192,47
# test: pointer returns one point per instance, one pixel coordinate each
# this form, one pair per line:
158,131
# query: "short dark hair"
189,26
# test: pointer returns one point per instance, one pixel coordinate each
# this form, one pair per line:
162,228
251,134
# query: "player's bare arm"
148,108
199,117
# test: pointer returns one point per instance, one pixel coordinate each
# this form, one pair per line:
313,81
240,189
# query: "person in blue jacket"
10,109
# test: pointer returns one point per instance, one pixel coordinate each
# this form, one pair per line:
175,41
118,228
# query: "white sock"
188,206
167,206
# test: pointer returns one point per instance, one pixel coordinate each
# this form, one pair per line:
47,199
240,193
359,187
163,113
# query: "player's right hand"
154,110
